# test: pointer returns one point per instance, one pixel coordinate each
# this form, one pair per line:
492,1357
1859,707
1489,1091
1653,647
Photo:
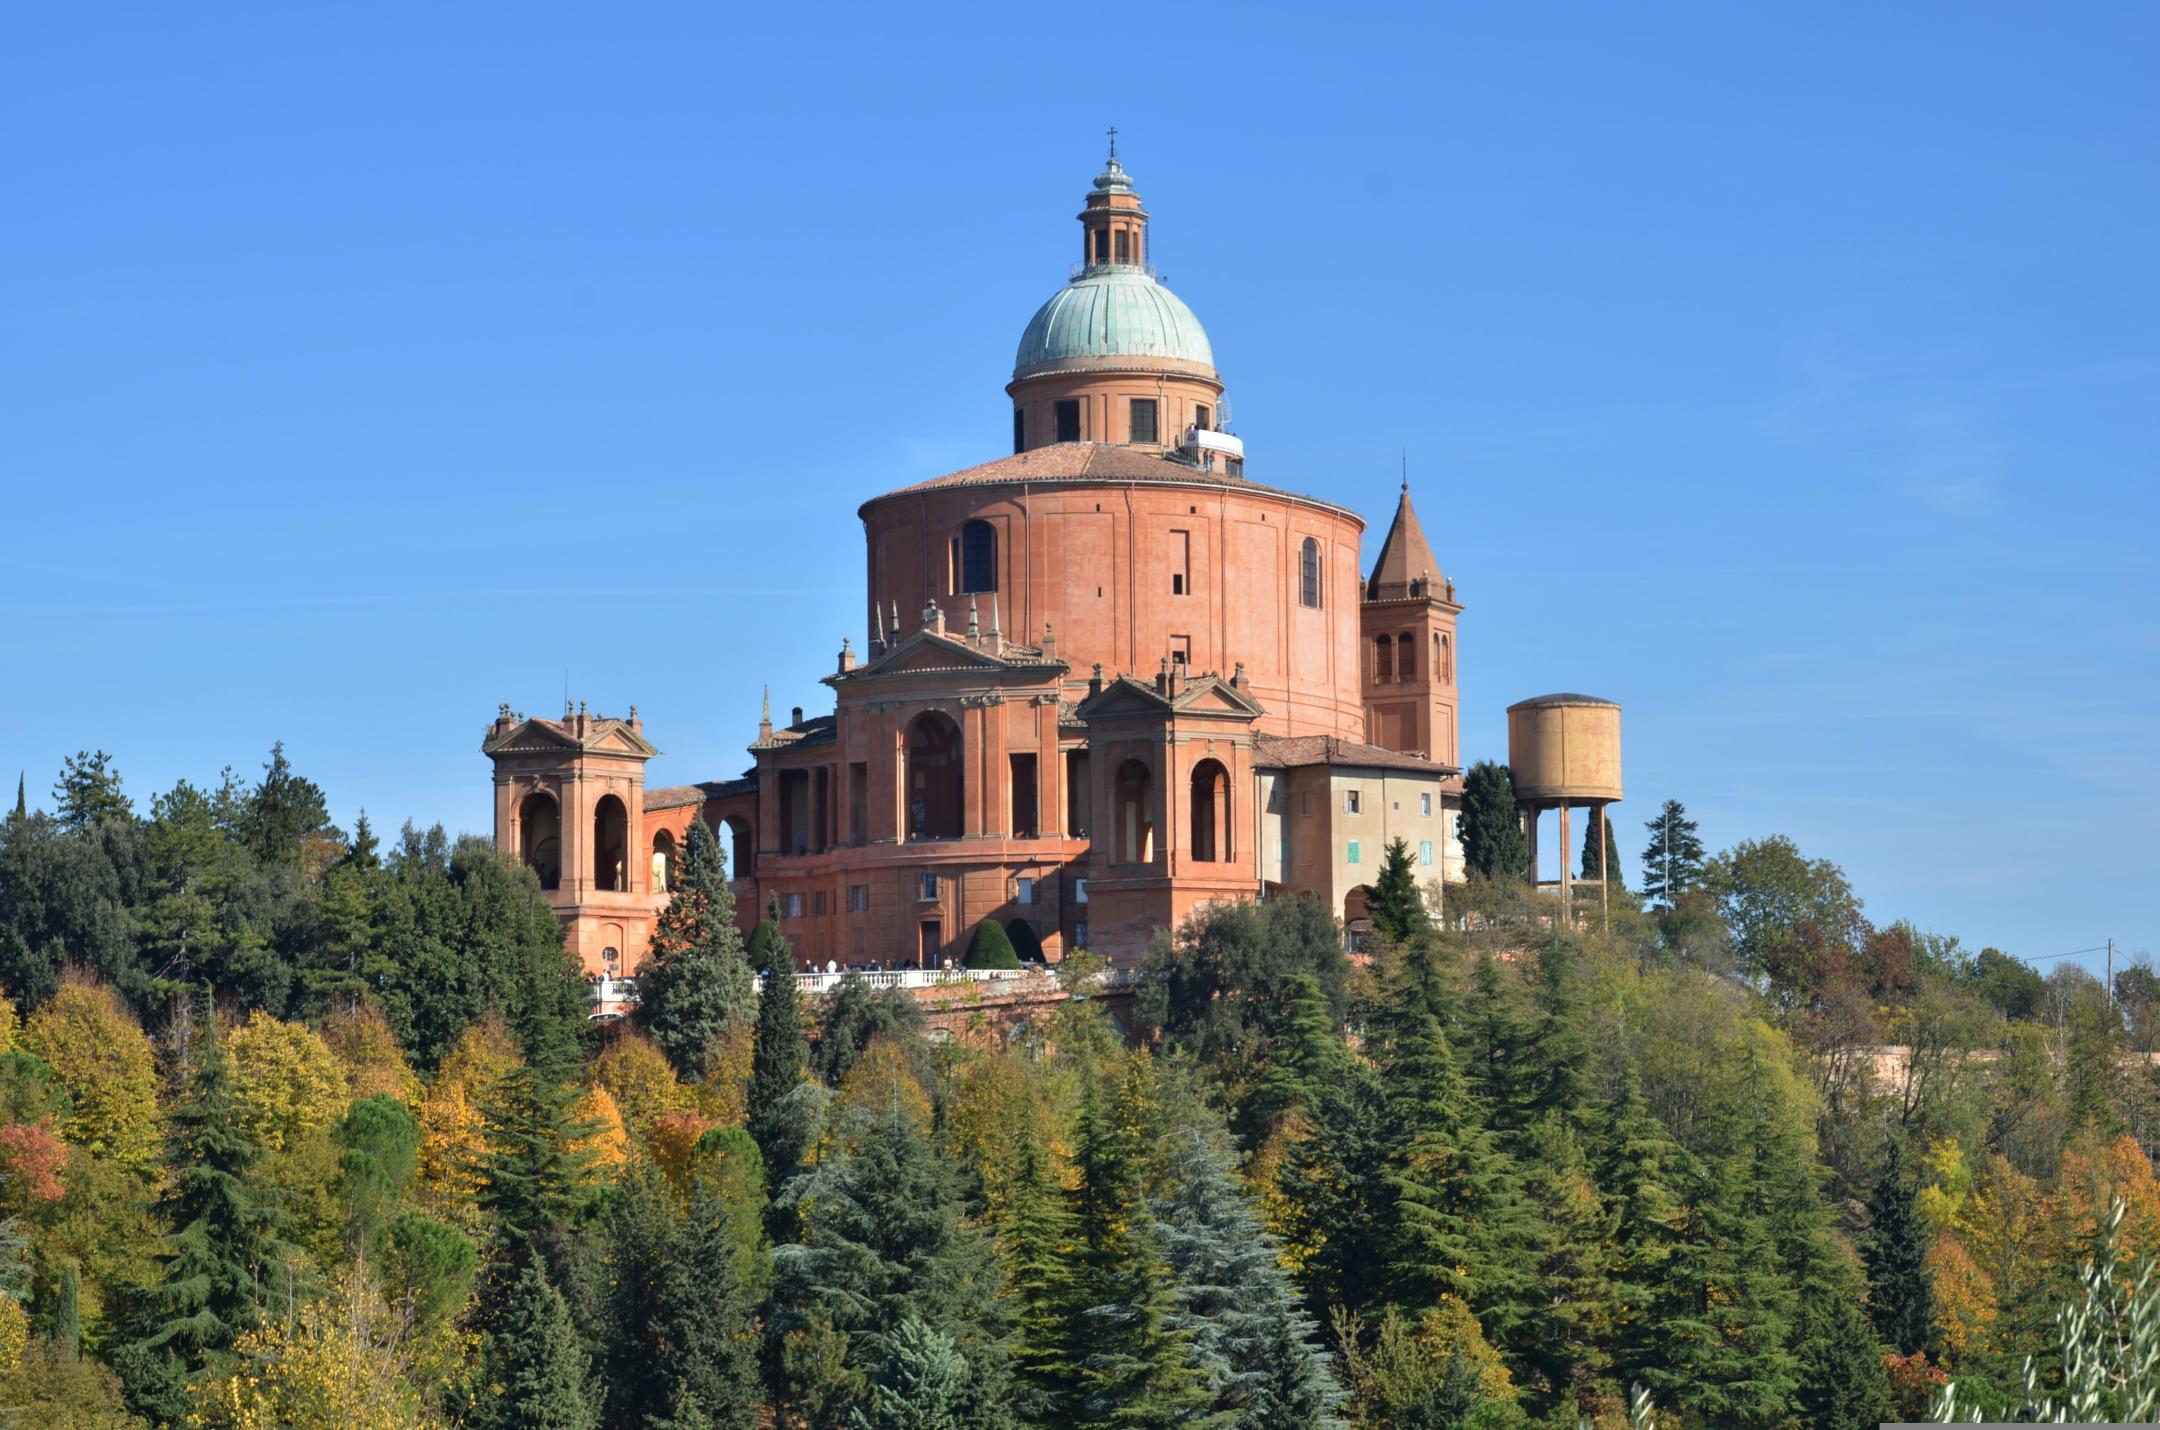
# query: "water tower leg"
1529,827
1567,882
1604,868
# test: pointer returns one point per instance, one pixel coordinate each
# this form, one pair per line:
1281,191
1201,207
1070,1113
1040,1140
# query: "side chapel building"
1108,679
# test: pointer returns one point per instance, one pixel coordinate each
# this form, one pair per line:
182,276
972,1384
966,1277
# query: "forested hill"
303,1128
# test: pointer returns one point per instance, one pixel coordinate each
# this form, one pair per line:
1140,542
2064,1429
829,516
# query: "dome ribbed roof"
1113,312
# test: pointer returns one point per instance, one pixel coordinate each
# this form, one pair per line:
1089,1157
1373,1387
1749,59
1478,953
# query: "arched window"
1443,659
1406,655
611,837
1383,660
1134,791
978,557
1309,574
1211,823
540,838
663,862
741,846
934,777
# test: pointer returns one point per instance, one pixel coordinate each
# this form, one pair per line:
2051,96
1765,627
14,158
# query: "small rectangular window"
1305,803
817,903
927,890
1282,853
1353,852
1180,562
1181,650
1143,420
1424,851
1124,252
1424,803
858,898
1023,891
1019,429
1350,801
1080,934
1068,420
1023,783
791,906
1079,891
1235,466
1200,416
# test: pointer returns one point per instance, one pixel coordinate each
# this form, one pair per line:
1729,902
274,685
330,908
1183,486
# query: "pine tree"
1492,832
1673,864
768,947
1901,1300
1139,1368
781,1116
1037,1239
697,983
1340,1197
1494,1035
534,1173
922,1385
1305,1053
1564,1341
1639,1169
1393,903
1841,1381
222,1256
1460,1225
22,802
1593,860
882,1240
680,1338
1250,1337
534,1368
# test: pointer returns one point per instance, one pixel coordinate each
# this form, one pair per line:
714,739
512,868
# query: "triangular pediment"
1211,695
928,652
548,737
1203,695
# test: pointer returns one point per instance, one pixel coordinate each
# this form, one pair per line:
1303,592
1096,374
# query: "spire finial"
1113,143
1406,471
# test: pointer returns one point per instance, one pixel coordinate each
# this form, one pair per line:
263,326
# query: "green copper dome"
1113,312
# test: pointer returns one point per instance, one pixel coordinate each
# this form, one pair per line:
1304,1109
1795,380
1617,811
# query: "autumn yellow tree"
723,1088
286,1081
642,1082
99,1053
608,1140
453,1129
368,1051
341,1363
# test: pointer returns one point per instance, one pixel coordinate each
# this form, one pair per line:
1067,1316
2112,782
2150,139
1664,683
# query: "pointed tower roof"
1406,559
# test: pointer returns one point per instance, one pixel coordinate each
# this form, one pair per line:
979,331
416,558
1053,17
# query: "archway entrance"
935,778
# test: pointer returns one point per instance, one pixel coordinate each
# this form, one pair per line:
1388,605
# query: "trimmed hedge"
1025,944
990,948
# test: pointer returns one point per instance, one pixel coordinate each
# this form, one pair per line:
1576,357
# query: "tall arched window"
540,838
1383,659
1406,652
1211,826
1443,659
663,862
934,778
1135,822
1309,574
978,557
611,835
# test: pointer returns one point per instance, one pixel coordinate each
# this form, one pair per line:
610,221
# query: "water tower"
1564,751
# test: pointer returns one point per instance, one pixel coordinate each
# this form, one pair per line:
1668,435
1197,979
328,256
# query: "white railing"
624,991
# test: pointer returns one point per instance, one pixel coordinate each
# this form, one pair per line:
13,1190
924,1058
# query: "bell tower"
1407,628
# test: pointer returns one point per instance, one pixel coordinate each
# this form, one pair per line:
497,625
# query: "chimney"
1095,681
847,655
795,718
933,618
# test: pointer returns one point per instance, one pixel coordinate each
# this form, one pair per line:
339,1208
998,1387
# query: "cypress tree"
1026,943
64,1325
1460,1225
1901,1300
1673,862
990,947
1492,832
768,947
1593,863
1393,902
780,1113
1037,1240
1250,1338
222,1256
1139,1367
697,983
534,1368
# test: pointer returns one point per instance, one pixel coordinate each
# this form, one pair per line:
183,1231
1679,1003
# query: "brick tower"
1407,621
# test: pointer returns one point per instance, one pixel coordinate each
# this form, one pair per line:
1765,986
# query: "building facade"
1106,679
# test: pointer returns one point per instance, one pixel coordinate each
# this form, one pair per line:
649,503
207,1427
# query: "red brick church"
1105,680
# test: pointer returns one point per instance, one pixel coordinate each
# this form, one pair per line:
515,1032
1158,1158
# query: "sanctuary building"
1106,679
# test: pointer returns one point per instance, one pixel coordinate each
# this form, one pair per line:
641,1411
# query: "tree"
1900,1296
697,983
854,1014
1492,832
2011,986
768,947
991,947
1036,1236
100,1056
1027,945
340,1361
1780,905
883,1240
427,1268
1673,863
534,1174
379,1149
1250,1337
283,813
679,1322
1138,1367
1393,903
1595,856
1841,1385
535,1370
221,1258
88,791
781,1115
286,1081
922,1385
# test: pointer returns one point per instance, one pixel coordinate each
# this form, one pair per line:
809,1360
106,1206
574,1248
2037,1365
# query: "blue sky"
1783,373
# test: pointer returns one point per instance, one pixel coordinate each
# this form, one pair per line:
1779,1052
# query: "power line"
2073,953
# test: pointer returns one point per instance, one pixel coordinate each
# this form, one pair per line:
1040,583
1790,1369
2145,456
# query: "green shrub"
990,948
1026,946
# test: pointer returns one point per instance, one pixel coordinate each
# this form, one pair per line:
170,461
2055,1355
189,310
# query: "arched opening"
975,558
1406,655
1383,660
1134,789
1357,924
934,777
610,842
1309,573
663,862
1211,824
540,838
1443,659
741,846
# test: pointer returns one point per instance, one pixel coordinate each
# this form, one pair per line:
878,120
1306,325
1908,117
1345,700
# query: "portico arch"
611,846
1211,821
540,838
1133,790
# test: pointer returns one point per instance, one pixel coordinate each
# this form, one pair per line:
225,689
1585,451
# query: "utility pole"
2111,972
